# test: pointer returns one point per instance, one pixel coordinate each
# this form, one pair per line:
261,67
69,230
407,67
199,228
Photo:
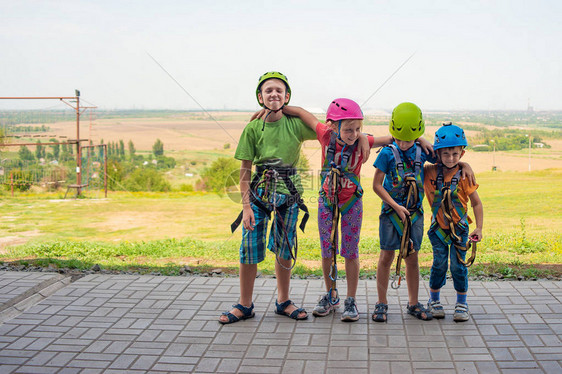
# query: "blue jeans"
441,253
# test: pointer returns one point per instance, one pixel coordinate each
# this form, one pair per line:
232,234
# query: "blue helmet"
449,135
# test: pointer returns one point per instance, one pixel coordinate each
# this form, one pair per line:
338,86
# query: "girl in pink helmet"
340,195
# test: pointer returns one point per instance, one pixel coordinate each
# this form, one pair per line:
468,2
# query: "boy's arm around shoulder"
382,141
308,118
467,172
478,210
365,147
426,146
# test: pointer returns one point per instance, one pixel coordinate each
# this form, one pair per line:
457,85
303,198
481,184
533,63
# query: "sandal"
280,309
246,313
418,311
379,315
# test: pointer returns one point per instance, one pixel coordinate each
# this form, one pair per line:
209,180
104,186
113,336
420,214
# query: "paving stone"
135,324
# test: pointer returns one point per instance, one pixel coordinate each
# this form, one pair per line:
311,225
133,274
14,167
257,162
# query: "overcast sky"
466,55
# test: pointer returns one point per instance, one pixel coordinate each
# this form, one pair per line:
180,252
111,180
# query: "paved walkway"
146,324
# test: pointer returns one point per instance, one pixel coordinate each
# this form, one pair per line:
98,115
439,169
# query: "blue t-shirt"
385,162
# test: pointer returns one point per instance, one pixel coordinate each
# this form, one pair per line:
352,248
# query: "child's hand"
259,114
290,110
476,235
402,212
248,219
364,147
426,146
467,172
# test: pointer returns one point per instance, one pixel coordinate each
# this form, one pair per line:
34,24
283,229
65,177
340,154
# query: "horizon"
187,55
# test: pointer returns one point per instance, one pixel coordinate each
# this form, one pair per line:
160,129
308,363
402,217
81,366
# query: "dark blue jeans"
441,254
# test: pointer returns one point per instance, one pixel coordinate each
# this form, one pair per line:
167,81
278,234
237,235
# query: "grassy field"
164,232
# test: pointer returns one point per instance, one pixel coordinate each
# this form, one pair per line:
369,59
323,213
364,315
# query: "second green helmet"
270,75
407,122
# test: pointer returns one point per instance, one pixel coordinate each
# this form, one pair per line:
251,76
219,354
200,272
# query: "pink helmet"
343,109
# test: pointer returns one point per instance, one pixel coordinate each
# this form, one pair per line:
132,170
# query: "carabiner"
334,272
393,284
334,299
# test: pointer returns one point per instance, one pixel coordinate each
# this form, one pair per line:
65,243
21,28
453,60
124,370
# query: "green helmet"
269,75
407,122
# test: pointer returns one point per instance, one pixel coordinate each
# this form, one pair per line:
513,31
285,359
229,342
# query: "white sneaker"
436,308
461,313
324,306
350,313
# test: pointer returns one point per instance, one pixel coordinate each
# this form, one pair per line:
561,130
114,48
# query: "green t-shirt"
279,144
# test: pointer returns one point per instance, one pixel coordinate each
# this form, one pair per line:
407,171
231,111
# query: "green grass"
162,232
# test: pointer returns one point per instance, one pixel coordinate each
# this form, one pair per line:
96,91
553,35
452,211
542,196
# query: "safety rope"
335,189
406,243
447,205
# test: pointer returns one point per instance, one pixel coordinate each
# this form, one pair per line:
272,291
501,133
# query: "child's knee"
412,258
386,258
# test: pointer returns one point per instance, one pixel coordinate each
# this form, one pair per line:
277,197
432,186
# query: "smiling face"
273,94
450,156
350,130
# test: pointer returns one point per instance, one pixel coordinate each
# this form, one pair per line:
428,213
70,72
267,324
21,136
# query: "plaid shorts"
252,249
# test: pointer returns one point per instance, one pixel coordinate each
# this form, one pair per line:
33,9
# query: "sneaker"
350,313
461,313
436,308
324,306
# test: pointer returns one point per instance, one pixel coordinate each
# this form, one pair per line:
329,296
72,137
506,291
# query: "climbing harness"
329,163
446,198
263,194
410,186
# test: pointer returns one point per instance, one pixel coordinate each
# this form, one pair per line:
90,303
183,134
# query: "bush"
115,174
146,180
223,173
184,187
164,162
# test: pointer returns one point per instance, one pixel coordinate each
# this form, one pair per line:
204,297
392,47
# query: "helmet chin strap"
339,138
270,111
339,130
448,168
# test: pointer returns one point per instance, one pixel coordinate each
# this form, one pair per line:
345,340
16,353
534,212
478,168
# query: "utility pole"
529,152
78,152
493,155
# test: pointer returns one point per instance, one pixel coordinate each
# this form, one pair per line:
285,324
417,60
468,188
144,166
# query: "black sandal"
246,313
418,310
380,313
280,309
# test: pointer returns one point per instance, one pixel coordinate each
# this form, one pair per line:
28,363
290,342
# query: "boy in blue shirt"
398,181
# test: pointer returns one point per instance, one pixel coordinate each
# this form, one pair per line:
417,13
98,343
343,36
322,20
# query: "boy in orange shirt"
448,195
